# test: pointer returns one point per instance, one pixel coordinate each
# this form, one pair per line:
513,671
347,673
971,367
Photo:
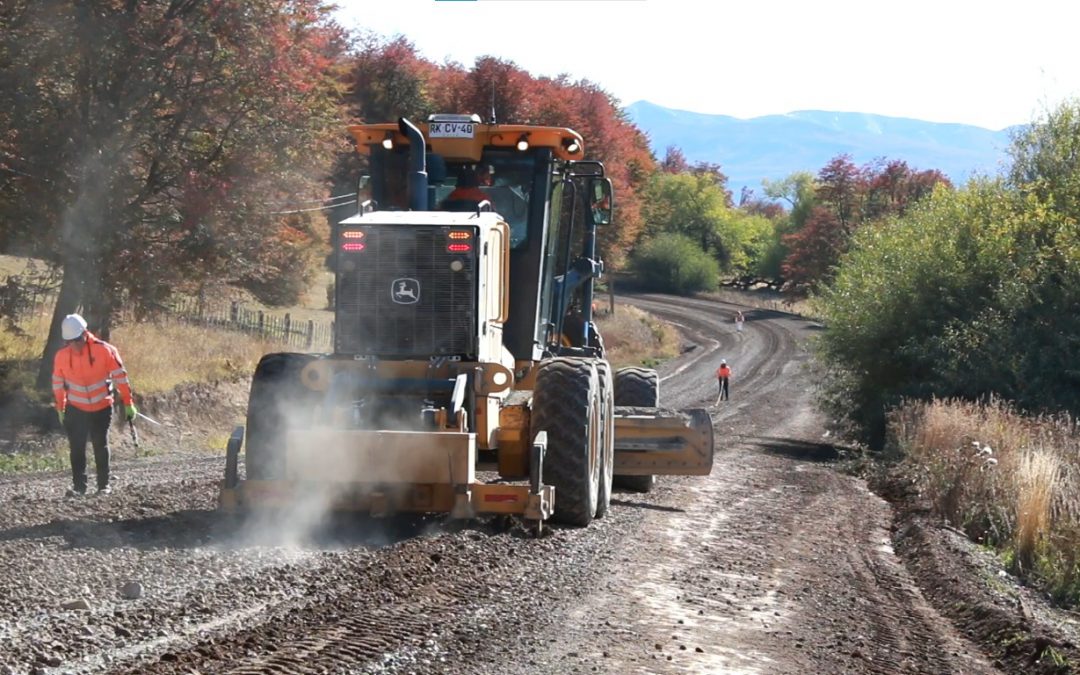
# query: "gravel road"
775,563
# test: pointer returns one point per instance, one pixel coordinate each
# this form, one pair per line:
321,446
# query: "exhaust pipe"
418,182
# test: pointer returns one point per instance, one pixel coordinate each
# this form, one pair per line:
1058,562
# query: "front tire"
278,401
566,404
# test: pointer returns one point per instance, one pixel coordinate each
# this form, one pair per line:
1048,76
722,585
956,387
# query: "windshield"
503,177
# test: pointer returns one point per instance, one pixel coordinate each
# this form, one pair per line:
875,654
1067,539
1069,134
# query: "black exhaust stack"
418,182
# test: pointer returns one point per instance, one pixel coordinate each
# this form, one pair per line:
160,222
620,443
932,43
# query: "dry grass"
635,338
1036,481
158,356
161,356
1008,480
11,265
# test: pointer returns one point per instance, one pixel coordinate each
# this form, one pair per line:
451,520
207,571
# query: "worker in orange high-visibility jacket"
85,371
723,374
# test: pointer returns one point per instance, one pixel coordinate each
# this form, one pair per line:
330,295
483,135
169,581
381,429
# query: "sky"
990,64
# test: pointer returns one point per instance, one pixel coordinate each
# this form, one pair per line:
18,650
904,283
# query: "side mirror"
601,200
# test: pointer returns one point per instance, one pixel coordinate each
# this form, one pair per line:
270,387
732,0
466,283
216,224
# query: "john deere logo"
405,291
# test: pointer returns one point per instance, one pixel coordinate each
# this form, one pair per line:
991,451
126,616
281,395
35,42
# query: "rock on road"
775,563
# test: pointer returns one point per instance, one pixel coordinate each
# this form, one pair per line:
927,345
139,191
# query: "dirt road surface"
776,563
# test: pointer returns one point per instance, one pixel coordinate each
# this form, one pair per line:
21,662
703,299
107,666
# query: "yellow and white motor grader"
464,341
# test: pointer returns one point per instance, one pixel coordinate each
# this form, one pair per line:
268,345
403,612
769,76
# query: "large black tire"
607,437
638,387
566,404
278,401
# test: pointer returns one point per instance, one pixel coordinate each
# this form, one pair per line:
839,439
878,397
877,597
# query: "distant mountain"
774,146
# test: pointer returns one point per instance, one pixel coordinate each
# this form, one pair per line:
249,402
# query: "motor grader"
464,345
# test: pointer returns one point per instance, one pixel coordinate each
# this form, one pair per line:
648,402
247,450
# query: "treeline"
793,236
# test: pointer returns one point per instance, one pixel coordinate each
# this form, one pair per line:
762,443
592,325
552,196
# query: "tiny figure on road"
85,371
723,373
739,319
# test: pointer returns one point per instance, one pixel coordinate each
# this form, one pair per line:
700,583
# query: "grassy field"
1009,481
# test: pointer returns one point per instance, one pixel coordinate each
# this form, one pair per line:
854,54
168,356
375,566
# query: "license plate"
451,129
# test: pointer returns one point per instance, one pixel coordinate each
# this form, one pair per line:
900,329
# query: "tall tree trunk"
67,302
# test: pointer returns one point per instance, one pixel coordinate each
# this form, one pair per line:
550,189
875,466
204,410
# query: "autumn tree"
845,197
674,161
166,143
387,80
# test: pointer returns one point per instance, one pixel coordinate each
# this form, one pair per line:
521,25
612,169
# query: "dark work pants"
81,425
722,382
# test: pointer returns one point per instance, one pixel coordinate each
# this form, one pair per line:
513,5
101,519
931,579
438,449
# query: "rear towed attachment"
385,472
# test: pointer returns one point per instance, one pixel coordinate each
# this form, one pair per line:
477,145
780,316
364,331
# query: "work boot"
104,490
72,492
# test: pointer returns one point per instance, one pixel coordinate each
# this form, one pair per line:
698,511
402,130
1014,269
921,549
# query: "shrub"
673,263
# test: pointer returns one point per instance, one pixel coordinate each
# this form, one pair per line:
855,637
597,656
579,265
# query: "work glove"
60,414
131,411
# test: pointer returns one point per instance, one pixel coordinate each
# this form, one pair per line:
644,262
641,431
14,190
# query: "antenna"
493,101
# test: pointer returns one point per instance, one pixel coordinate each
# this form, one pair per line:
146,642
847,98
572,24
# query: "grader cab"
467,375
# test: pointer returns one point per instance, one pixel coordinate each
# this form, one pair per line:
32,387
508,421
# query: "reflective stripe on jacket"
723,372
82,380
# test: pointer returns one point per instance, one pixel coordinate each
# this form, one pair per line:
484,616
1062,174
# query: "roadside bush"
1007,480
970,294
673,263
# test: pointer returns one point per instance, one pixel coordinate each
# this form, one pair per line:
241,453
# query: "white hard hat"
723,362
73,326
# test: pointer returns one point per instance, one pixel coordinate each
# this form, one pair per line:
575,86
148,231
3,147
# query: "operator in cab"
468,185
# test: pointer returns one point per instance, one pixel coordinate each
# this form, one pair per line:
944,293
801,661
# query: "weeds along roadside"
1010,482
633,337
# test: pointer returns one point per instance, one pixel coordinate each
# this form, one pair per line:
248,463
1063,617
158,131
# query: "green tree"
688,204
674,263
969,293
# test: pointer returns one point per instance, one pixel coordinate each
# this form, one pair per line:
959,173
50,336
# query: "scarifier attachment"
385,472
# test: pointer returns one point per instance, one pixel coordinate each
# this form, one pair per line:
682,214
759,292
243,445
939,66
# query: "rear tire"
566,404
637,387
278,401
607,436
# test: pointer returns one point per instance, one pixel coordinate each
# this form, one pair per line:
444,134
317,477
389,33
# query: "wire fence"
300,333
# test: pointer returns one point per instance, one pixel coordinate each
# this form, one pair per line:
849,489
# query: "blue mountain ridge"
775,146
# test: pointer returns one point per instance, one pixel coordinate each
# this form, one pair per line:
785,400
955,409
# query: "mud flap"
656,441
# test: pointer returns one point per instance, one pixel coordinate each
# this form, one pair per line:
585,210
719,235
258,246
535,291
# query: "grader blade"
655,441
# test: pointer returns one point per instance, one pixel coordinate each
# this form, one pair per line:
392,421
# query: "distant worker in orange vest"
723,373
84,372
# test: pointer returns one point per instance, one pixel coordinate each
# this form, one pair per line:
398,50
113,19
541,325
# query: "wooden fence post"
310,333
